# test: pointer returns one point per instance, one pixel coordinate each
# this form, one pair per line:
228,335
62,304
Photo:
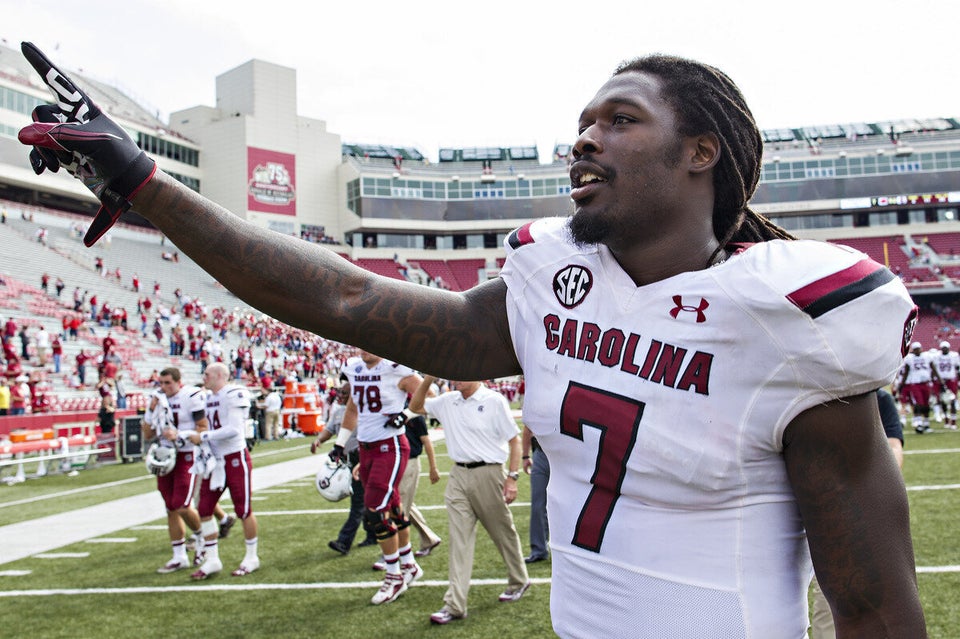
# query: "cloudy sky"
437,74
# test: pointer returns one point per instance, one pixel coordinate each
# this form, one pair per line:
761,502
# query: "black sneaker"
225,528
336,545
369,541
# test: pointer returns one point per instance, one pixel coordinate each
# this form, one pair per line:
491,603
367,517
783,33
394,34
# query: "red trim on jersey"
521,236
856,279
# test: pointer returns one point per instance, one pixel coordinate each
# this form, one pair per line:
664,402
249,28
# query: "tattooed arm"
854,508
458,335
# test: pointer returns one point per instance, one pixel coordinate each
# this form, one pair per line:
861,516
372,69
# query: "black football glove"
78,136
399,420
336,453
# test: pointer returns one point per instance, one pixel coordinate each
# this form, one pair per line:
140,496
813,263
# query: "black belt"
476,464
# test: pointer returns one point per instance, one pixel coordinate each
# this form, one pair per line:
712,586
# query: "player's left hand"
76,135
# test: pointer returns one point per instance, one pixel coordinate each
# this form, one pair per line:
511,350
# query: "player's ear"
704,152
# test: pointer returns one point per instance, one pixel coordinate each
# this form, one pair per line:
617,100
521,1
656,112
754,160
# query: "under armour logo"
680,306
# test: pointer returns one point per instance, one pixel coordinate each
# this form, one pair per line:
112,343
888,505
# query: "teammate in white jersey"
916,378
228,407
704,426
375,410
172,413
946,361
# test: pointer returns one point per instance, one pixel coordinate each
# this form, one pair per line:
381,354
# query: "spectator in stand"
108,343
42,338
9,330
98,265
82,359
44,282
18,399
75,323
77,299
24,344
59,286
93,307
136,283
4,396
57,347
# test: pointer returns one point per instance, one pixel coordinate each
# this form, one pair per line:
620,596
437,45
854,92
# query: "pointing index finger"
70,99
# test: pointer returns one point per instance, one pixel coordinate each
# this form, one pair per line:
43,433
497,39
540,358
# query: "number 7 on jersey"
617,418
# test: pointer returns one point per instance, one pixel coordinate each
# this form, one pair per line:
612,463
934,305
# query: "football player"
702,382
917,375
378,394
173,412
947,364
227,408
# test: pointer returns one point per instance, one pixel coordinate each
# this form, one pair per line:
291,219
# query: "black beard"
585,230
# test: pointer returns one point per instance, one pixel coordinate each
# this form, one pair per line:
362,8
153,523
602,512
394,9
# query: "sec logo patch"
571,285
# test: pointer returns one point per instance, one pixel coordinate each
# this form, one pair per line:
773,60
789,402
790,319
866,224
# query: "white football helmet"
160,460
334,481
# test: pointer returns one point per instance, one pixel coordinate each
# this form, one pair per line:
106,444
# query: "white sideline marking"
44,534
932,451
246,587
14,573
149,527
111,540
274,491
62,555
936,569
938,487
343,511
120,482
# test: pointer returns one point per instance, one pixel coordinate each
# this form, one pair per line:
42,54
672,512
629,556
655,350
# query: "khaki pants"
476,495
271,425
821,619
408,492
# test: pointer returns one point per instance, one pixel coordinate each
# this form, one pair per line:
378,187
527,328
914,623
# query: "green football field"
108,587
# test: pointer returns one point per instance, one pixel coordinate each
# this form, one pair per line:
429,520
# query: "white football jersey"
181,407
227,413
662,410
376,393
946,364
918,368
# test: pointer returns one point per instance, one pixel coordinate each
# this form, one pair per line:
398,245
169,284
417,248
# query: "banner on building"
271,182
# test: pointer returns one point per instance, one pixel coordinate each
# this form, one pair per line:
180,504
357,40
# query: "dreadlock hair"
705,100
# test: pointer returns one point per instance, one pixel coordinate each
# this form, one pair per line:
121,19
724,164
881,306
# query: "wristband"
343,435
525,457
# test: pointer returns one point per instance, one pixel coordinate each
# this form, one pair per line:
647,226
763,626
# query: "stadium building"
889,188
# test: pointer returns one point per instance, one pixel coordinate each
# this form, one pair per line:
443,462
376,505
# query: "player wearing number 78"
701,383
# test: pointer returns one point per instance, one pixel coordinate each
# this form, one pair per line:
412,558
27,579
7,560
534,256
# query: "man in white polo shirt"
479,431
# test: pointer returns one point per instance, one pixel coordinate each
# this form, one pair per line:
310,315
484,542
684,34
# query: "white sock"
406,555
211,551
179,550
251,549
393,563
